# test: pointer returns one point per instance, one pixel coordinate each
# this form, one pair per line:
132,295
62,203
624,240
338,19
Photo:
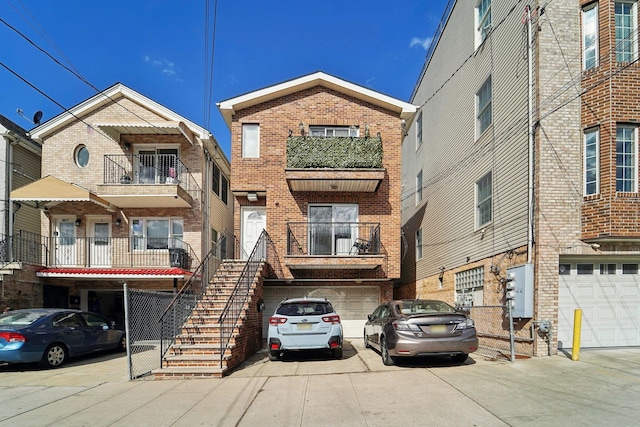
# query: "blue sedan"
50,336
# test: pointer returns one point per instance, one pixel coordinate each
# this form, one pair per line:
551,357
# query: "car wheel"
459,358
366,341
54,356
384,352
337,354
274,355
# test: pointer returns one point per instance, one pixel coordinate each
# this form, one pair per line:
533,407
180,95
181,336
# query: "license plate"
304,326
438,329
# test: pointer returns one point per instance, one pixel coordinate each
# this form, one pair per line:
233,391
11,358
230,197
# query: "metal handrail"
263,252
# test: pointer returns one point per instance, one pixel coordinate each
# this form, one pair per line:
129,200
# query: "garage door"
610,306
351,303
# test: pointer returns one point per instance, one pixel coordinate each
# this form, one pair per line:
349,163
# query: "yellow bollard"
577,327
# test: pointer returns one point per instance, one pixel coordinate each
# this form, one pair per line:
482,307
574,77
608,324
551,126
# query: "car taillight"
333,319
13,337
404,326
465,324
274,320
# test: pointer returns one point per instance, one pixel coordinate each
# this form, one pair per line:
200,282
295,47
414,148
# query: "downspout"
530,131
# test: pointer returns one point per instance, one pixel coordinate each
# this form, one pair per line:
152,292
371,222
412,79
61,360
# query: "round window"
82,156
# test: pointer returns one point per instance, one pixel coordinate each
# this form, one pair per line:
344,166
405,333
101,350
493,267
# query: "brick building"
316,163
131,192
524,152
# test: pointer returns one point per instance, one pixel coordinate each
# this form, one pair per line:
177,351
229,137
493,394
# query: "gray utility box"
523,281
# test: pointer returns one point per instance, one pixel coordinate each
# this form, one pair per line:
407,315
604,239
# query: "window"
626,162
607,269
469,285
329,131
484,107
584,268
629,268
590,36
81,156
483,200
157,165
483,20
333,229
250,140
419,131
419,187
564,269
626,37
220,184
419,244
591,162
156,233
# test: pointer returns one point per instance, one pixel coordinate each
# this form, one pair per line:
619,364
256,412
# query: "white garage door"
610,306
351,303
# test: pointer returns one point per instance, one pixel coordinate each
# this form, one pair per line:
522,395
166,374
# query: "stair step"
190,372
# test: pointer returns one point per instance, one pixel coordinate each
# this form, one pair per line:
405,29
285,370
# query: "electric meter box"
523,281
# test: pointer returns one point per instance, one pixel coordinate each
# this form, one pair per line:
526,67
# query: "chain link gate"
143,309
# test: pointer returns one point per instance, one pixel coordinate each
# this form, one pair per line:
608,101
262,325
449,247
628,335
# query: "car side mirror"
113,324
370,316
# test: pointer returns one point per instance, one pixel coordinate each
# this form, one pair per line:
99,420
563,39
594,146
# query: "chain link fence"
492,327
143,309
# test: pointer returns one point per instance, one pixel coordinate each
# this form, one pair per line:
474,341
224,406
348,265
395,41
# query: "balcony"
147,180
98,252
333,245
338,164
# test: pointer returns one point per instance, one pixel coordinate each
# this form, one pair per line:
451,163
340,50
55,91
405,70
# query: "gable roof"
108,96
230,106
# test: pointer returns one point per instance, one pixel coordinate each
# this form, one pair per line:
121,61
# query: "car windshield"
424,307
20,318
304,308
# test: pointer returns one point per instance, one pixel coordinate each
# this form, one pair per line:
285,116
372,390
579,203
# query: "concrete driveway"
313,390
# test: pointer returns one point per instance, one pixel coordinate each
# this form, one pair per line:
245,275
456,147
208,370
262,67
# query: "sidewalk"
603,388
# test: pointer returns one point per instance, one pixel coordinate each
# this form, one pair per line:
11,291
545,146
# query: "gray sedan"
409,328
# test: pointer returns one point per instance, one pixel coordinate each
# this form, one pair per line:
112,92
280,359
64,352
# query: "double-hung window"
483,200
590,36
483,20
220,184
419,187
250,140
419,244
483,98
626,27
626,158
157,233
591,162
419,131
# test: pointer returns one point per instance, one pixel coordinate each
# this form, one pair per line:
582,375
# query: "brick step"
195,350
189,372
193,360
190,339
209,329
206,320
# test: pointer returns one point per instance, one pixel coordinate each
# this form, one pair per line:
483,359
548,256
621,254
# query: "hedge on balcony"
333,152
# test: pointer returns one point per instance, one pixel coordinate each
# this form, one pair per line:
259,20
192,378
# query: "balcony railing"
334,152
333,238
150,169
115,252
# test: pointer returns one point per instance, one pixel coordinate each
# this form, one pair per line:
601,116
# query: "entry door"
66,245
100,243
332,229
254,220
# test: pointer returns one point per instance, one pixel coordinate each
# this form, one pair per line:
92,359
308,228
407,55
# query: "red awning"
115,273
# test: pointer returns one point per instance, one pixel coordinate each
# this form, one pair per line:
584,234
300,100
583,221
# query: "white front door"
66,246
99,242
254,220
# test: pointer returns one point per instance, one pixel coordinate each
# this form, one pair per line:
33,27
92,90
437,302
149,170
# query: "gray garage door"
351,303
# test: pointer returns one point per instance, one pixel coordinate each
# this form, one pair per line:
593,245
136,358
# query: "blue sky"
158,49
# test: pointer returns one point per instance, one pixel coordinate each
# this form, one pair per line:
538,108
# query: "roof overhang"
114,130
51,190
334,180
114,273
229,107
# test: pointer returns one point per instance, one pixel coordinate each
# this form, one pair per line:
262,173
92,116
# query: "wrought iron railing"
24,247
150,169
263,252
182,305
333,238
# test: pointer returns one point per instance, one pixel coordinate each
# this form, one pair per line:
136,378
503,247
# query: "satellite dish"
37,117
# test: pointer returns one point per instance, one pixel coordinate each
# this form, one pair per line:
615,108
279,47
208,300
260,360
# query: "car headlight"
465,324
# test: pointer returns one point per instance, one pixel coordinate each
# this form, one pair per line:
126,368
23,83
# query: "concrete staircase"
196,351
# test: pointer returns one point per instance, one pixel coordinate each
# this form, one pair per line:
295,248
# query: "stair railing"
185,300
263,251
